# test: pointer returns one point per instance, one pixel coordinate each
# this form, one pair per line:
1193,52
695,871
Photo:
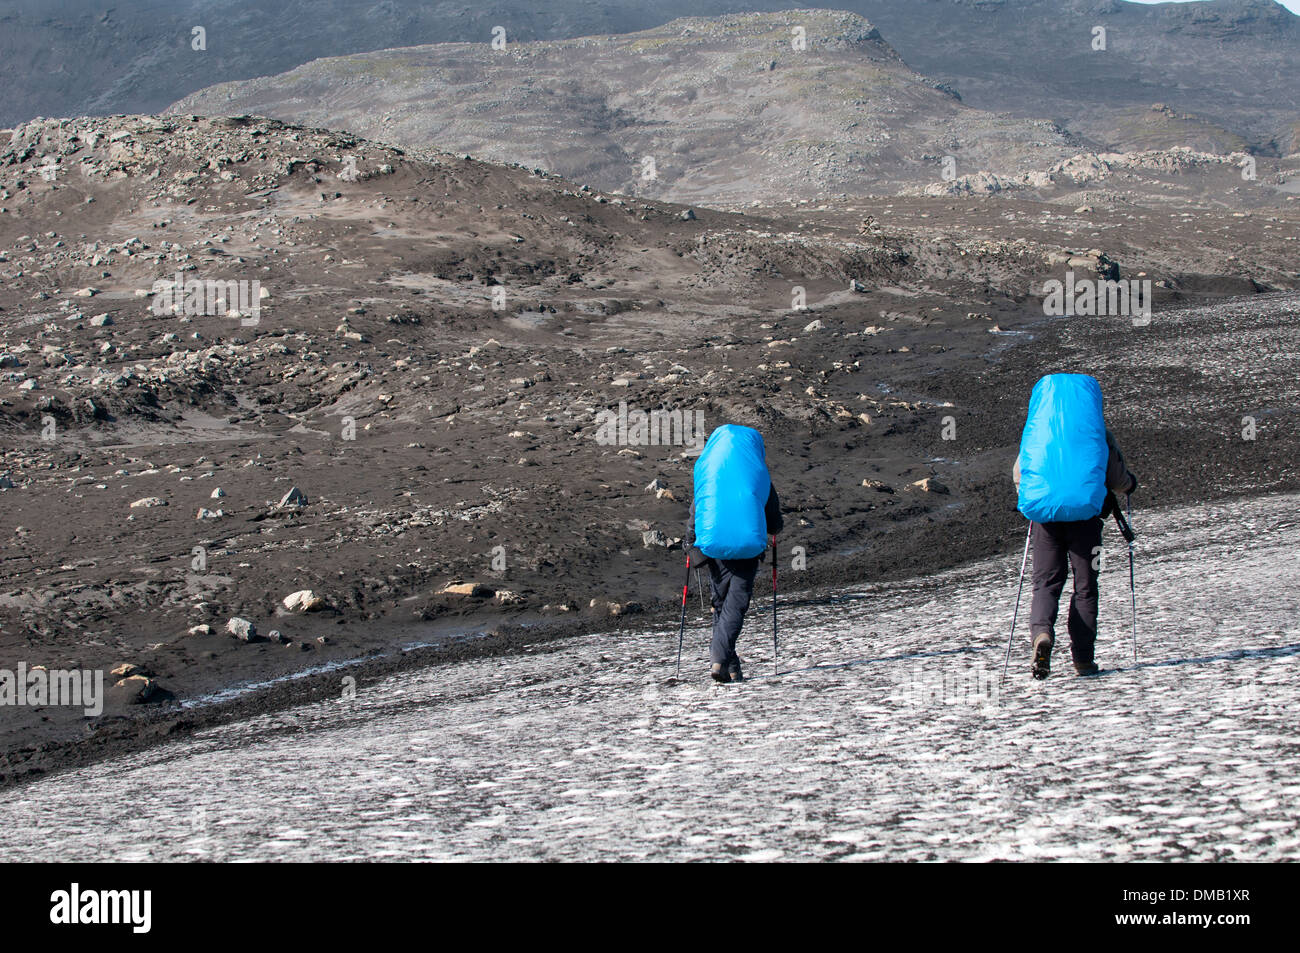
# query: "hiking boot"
720,673
1042,655
734,671
1084,669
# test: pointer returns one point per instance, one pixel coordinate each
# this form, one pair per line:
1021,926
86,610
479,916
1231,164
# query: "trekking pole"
1126,530
699,587
1019,589
681,632
776,667
1132,588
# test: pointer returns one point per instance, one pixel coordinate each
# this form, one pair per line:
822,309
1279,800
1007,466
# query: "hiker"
735,508
1066,475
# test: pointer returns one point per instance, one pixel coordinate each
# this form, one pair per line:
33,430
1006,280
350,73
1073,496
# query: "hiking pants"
1058,549
732,586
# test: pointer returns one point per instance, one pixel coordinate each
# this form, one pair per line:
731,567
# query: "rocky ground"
453,497
889,734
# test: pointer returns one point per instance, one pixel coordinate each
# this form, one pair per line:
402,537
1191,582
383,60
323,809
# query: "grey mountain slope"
724,107
1229,64
65,57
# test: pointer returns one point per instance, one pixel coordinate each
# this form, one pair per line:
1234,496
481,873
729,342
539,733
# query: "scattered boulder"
474,589
878,486
202,629
930,485
295,497
135,689
148,501
653,537
242,629
304,600
618,608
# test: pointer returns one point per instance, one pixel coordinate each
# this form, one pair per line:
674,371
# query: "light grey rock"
295,497
653,537
304,600
242,629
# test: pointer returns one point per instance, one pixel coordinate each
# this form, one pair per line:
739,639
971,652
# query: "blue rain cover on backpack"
1063,451
731,488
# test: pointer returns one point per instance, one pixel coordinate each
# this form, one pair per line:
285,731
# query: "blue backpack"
731,489
1063,451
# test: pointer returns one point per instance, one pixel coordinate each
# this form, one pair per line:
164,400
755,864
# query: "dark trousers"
1060,548
732,585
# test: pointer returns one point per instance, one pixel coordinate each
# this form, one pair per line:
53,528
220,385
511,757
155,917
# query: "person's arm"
772,512
1015,473
1118,476
697,555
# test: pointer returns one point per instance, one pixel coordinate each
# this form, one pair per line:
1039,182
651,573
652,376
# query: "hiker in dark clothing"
731,532
731,586
1062,547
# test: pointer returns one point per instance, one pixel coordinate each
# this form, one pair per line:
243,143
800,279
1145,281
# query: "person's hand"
1132,489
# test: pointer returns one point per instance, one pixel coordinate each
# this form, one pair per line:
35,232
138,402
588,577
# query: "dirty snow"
885,737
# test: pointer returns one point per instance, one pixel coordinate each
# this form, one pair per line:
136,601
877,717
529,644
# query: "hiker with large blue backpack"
1067,473
734,512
